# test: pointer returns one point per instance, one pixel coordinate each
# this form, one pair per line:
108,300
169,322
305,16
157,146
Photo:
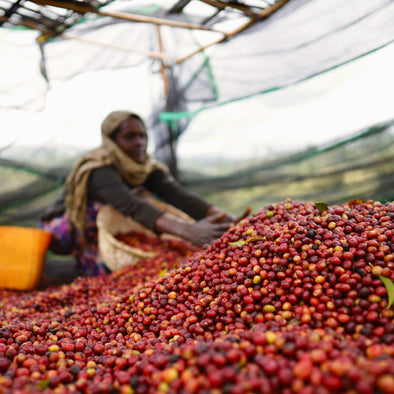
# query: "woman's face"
132,139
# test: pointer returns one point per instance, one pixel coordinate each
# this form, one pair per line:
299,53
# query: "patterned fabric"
68,240
62,234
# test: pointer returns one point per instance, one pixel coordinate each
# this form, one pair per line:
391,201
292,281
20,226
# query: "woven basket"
116,254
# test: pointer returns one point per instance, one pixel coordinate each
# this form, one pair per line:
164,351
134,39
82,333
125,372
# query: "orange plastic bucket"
22,256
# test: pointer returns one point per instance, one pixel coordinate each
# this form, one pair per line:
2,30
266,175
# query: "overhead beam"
156,21
263,14
218,41
221,5
266,12
150,54
122,15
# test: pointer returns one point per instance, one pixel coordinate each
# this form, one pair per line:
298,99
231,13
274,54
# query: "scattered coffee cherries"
293,299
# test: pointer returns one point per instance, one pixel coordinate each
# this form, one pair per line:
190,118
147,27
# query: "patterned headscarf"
108,153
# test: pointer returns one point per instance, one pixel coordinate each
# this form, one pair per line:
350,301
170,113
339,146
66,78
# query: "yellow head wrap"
107,154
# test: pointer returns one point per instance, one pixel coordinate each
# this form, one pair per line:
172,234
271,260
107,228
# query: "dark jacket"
106,185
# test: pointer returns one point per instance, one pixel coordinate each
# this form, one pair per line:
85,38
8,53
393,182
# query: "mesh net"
103,64
358,167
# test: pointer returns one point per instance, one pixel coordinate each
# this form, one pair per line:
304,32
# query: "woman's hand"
199,233
206,230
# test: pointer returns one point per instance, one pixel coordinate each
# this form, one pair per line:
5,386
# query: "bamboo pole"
225,37
157,21
153,55
73,6
266,12
163,68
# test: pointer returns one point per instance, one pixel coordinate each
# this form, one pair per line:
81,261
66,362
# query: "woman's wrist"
212,210
171,224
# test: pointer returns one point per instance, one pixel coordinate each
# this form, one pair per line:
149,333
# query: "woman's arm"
106,185
170,190
199,233
165,186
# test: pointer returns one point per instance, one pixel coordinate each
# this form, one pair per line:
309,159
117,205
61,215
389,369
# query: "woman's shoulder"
103,174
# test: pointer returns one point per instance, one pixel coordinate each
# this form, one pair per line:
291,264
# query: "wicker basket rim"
104,214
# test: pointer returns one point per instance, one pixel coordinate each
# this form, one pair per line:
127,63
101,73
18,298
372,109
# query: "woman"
114,174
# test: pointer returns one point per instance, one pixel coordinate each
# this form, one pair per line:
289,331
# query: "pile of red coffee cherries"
296,298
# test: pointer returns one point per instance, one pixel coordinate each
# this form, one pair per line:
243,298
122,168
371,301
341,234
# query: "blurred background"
248,103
